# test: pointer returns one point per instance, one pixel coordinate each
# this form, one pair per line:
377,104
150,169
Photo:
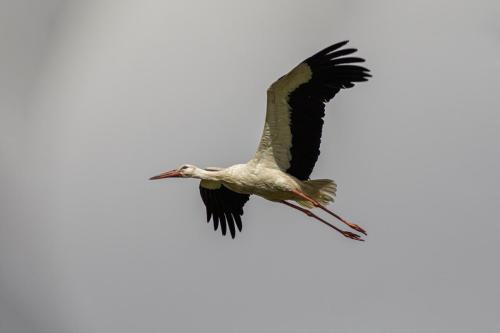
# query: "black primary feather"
225,207
330,73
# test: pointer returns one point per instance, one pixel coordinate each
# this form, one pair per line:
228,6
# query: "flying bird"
288,149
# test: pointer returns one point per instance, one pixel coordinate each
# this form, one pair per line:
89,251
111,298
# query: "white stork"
288,149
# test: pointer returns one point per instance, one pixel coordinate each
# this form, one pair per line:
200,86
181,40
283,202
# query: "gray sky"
99,95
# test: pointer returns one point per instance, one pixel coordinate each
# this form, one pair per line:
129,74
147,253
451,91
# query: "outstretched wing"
296,106
223,205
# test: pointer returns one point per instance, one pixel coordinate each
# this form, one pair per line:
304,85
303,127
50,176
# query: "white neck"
208,175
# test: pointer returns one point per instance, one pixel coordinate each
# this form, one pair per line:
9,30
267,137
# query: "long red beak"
168,174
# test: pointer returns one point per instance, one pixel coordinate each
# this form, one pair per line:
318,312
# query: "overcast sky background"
98,95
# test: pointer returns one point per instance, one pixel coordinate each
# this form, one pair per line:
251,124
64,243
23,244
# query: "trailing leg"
317,204
347,234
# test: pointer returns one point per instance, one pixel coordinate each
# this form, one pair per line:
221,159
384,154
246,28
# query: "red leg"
317,204
311,214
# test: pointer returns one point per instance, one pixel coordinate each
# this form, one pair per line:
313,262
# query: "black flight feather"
225,207
330,73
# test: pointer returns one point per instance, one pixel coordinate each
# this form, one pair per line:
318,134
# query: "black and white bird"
288,149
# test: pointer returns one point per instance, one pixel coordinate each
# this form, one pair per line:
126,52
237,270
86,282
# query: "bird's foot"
356,227
352,235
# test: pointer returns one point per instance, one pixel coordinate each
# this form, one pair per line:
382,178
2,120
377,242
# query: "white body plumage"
270,183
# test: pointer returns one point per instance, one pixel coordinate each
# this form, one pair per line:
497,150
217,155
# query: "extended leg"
317,204
311,214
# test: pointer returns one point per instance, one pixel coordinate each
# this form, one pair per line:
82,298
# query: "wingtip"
330,48
340,44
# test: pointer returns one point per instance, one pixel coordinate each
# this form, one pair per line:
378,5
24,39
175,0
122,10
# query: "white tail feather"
321,190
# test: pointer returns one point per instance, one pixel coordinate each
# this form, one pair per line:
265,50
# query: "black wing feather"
330,73
225,206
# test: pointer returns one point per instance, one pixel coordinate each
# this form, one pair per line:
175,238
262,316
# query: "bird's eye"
184,167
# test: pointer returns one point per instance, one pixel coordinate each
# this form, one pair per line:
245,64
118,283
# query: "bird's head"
184,171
